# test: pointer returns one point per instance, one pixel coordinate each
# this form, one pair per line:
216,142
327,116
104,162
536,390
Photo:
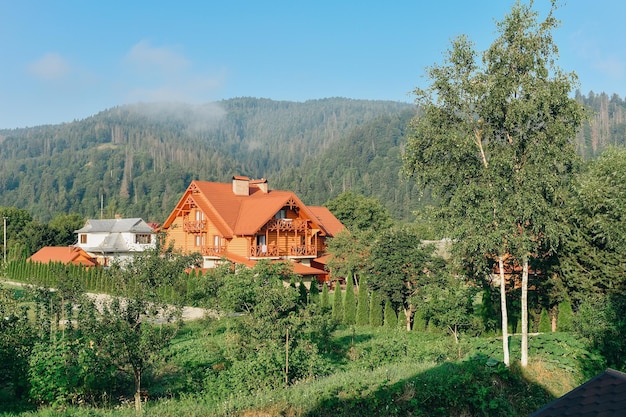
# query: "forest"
481,272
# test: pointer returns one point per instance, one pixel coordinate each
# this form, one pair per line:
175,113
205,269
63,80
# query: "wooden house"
244,222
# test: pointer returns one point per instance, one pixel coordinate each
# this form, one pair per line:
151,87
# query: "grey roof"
135,225
113,243
603,395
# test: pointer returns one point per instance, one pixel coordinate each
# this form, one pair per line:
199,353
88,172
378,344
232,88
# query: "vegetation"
499,176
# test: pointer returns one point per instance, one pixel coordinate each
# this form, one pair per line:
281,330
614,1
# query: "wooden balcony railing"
304,250
213,251
287,224
260,251
194,226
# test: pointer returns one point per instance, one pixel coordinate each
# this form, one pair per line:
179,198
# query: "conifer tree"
349,306
376,311
391,320
544,322
565,317
302,293
363,306
325,303
337,303
401,320
314,292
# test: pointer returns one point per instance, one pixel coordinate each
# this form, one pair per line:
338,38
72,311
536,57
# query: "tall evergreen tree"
349,305
337,303
391,320
376,309
314,291
325,298
362,306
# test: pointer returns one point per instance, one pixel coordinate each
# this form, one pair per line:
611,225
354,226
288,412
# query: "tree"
349,253
362,306
349,304
376,309
337,303
493,143
133,330
389,314
325,298
64,226
398,260
359,213
593,262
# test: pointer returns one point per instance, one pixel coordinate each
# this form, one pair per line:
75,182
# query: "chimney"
241,185
260,184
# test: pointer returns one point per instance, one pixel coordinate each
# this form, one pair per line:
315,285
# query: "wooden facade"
244,222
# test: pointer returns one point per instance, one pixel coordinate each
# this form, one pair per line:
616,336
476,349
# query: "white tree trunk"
524,303
505,318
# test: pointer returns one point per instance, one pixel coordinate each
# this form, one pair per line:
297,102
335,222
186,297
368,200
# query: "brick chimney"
241,185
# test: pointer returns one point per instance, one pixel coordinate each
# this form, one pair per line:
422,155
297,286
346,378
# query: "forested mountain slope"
139,159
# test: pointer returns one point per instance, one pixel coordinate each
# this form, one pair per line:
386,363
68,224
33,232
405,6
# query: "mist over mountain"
136,160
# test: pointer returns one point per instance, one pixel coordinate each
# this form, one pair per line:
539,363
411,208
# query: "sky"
66,60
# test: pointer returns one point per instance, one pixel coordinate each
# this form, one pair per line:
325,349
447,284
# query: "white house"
115,240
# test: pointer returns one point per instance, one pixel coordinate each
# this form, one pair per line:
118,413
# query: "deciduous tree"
493,141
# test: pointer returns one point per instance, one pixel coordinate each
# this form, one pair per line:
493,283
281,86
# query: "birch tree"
492,138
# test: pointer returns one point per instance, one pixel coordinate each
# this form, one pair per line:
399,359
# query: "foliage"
359,213
362,306
565,317
325,298
493,141
376,309
398,262
349,303
337,309
349,253
389,316
544,322
593,259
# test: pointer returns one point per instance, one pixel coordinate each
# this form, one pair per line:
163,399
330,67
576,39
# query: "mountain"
137,160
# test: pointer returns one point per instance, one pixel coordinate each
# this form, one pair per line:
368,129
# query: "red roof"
64,254
244,215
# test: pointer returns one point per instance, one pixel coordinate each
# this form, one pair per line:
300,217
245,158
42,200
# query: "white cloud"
144,56
51,66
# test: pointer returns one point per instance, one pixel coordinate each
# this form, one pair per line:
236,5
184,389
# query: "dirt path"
189,313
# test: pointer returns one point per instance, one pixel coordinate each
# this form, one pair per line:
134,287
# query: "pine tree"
391,320
337,303
314,292
401,320
302,292
325,303
544,322
362,307
349,306
565,317
376,312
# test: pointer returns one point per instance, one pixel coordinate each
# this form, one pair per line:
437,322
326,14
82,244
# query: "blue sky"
66,60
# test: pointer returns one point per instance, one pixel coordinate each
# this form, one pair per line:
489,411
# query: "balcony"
263,251
304,250
287,224
194,226
215,251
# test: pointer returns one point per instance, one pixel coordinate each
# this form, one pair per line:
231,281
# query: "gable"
63,254
240,214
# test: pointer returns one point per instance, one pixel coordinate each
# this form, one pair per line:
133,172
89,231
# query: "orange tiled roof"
244,215
330,222
64,254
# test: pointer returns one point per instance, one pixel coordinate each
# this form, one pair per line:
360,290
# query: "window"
143,239
200,240
282,214
83,238
262,243
216,241
199,215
